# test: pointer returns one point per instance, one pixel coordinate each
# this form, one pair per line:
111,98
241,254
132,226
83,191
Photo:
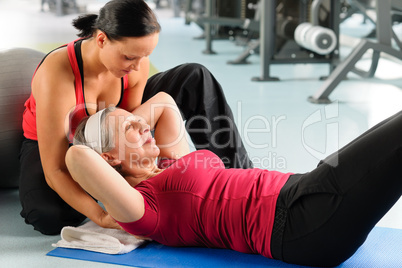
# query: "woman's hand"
106,221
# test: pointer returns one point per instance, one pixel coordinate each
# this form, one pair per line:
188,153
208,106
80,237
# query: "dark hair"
119,19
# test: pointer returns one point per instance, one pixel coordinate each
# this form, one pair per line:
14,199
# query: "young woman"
319,218
107,66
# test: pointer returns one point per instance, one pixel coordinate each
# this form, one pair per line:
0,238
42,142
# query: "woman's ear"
101,39
111,159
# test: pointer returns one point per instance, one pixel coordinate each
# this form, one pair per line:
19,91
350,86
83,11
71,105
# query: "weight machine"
307,31
61,7
293,31
218,18
383,43
287,31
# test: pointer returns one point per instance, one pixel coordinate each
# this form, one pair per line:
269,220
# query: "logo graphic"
324,116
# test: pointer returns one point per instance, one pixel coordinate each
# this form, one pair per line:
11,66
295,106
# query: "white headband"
92,131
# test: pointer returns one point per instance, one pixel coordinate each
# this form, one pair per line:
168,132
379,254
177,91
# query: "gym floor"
280,128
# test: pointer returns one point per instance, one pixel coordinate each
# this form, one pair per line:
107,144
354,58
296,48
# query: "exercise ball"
17,66
315,38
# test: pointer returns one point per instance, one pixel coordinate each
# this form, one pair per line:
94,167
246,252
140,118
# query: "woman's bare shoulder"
54,72
56,65
56,60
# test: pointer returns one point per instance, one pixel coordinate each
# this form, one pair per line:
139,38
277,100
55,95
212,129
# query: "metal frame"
267,41
209,20
385,35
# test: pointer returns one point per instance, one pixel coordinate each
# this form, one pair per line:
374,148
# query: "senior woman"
319,218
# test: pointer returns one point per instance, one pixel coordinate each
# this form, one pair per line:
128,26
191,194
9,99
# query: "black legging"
42,207
209,119
209,122
324,216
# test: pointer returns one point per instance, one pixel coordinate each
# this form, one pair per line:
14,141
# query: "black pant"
209,119
209,122
41,206
324,216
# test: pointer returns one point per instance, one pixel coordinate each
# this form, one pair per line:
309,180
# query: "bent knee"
43,221
50,223
193,66
195,70
48,213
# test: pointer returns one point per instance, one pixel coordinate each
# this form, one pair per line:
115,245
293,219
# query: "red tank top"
197,202
80,110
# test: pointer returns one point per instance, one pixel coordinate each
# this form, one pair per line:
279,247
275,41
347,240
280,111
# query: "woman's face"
124,56
134,144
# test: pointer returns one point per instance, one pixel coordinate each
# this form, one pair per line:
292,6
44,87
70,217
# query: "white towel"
92,237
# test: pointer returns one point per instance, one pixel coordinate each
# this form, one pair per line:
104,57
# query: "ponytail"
85,24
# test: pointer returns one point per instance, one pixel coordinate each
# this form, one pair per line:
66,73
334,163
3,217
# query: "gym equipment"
293,31
385,36
315,38
16,69
382,248
270,30
220,18
61,7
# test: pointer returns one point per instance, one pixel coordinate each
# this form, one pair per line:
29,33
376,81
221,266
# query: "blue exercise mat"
383,248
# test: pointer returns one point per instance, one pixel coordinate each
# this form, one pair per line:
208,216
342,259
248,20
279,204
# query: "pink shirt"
197,202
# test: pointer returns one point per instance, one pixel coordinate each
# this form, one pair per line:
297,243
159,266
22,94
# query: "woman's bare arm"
162,114
53,89
99,179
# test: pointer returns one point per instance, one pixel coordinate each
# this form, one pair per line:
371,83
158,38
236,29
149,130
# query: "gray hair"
106,133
